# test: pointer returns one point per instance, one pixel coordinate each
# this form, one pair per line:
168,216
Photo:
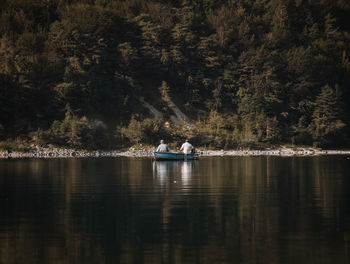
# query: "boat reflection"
176,172
214,210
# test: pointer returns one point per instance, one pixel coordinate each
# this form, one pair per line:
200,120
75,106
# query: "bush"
18,144
40,137
78,132
217,131
148,131
133,132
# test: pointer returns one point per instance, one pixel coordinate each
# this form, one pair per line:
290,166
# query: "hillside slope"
225,73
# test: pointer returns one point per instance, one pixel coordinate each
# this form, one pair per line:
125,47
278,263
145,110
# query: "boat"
174,156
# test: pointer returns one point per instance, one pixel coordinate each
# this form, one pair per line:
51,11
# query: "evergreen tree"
260,63
326,117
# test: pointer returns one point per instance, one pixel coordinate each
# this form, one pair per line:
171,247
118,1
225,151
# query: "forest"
245,73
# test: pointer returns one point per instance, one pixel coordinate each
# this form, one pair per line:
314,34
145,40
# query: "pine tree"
326,117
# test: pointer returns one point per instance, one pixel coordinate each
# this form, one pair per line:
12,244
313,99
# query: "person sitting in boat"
162,147
187,147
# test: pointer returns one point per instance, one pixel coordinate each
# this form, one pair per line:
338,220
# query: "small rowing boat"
174,156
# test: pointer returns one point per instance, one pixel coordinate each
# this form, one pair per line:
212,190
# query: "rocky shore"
69,153
52,152
275,152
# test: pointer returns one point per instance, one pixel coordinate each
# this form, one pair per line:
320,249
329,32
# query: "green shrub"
148,131
217,131
18,144
40,137
78,132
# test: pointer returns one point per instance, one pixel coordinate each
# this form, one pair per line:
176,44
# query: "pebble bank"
39,152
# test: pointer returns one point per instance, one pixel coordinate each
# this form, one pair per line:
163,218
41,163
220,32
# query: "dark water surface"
214,210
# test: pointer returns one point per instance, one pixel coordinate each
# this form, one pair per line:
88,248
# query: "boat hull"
174,156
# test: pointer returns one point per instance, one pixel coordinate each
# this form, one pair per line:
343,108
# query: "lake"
213,210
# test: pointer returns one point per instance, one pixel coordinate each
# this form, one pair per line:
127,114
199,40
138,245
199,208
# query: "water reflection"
214,210
177,171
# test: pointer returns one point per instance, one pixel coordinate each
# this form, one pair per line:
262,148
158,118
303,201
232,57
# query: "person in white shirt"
187,147
162,147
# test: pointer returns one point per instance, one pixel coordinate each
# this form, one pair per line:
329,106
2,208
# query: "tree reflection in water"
214,210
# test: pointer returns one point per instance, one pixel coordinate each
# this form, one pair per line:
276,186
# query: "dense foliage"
247,72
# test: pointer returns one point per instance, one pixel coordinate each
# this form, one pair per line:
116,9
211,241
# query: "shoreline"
141,153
